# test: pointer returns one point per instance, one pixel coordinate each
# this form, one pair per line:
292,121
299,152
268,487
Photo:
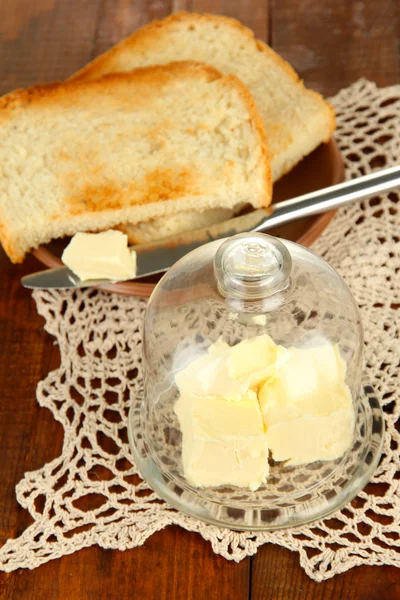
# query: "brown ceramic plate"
322,168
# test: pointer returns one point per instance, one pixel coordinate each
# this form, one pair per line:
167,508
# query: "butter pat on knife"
102,255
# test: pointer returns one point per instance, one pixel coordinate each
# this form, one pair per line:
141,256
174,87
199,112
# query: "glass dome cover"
248,286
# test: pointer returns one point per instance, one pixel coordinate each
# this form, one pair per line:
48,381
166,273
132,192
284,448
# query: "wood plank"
48,40
120,18
172,564
276,573
27,354
332,44
253,13
178,5
44,40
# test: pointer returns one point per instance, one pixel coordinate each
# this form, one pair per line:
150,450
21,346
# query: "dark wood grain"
44,40
172,564
252,13
331,43
276,574
119,18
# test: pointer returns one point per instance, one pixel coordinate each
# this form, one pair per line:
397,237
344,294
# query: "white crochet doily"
92,493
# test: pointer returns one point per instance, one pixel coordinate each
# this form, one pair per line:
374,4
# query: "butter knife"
156,257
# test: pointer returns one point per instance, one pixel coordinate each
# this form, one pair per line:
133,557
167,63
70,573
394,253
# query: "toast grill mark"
160,185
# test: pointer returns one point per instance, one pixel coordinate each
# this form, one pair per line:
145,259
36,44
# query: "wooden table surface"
331,43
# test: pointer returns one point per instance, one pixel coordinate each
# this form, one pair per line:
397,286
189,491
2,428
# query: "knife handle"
330,198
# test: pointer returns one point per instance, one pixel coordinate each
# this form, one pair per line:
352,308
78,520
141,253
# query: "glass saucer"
292,496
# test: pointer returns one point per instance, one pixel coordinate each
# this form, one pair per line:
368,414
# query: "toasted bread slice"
296,119
126,148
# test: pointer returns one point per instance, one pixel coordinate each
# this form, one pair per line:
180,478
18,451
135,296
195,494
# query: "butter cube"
259,319
230,371
302,384
224,418
310,438
307,407
243,463
223,441
208,375
254,360
102,255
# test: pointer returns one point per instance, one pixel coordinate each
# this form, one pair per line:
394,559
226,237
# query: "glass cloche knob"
251,266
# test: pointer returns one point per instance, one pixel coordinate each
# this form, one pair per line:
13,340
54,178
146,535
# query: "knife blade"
156,257
151,258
